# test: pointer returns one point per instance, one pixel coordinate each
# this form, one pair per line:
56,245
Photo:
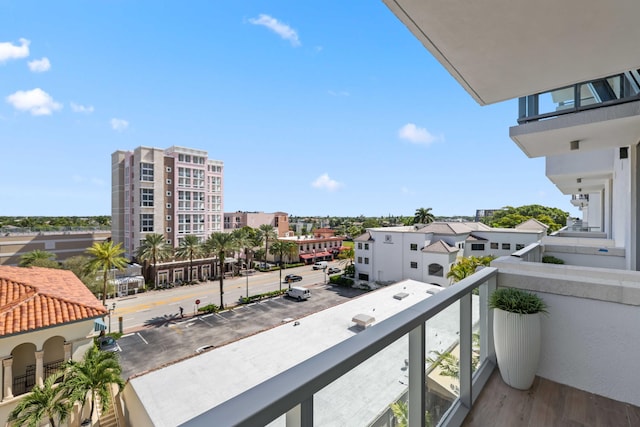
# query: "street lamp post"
111,310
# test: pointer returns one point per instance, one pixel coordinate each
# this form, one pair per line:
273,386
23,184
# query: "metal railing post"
417,377
465,350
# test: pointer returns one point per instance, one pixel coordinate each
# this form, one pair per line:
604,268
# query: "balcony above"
499,50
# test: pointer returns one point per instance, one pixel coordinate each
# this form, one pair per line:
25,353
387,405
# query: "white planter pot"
517,343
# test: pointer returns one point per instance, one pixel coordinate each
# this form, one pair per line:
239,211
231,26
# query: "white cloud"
417,135
11,51
283,30
78,108
39,65
119,124
405,190
36,101
323,182
339,93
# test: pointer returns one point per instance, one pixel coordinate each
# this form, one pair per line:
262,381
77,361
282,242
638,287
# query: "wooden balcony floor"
547,404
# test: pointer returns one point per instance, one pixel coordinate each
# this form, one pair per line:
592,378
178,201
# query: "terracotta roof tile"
35,297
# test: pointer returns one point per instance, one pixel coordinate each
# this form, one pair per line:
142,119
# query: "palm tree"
268,232
423,216
280,248
93,376
106,256
222,244
154,248
37,257
190,247
46,402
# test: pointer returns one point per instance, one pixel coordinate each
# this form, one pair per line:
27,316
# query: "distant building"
483,213
63,244
322,246
239,219
426,253
174,192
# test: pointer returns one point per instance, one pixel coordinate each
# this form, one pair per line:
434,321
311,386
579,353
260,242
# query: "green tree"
400,411
154,248
465,267
346,257
423,216
92,377
280,248
78,265
38,258
509,217
268,233
222,244
106,256
189,248
46,402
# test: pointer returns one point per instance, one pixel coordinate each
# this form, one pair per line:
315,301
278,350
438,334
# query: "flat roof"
179,392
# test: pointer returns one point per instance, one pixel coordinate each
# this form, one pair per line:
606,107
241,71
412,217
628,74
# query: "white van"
299,293
320,265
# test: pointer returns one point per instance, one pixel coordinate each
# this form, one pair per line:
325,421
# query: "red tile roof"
35,297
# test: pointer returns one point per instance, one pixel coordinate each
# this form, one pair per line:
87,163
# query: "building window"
168,217
506,246
366,260
168,169
519,246
477,246
413,246
168,205
436,270
359,245
168,229
146,171
414,264
146,197
494,245
146,223
168,182
168,193
363,276
359,260
366,246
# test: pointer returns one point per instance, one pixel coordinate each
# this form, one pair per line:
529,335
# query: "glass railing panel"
443,362
556,100
476,310
372,394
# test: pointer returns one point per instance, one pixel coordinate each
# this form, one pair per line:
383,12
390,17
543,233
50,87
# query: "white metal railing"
292,391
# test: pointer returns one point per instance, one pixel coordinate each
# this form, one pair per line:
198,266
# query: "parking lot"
177,338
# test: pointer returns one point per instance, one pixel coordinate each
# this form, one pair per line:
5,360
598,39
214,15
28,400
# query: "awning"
306,256
316,255
99,325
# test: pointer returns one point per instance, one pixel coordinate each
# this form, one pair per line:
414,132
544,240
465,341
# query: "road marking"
142,338
210,324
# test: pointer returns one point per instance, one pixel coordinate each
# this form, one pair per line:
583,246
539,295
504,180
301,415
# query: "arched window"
436,270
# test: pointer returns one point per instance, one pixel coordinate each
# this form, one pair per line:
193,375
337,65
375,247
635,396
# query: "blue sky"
316,108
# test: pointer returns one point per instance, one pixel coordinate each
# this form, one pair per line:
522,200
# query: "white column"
7,392
39,368
68,347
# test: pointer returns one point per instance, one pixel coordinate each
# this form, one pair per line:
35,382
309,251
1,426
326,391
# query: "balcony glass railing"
582,96
428,361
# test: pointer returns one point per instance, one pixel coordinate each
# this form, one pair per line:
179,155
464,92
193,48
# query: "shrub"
340,280
550,259
517,301
258,297
210,308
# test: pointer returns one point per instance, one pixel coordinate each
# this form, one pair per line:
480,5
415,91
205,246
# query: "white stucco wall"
511,237
621,196
591,345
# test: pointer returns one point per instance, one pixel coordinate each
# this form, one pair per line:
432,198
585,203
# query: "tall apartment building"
175,192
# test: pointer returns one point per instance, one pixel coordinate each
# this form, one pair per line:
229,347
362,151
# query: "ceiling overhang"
505,49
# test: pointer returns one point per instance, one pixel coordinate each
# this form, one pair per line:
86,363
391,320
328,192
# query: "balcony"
589,343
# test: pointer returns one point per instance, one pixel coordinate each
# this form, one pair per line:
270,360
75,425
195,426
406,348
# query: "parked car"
108,343
333,270
292,278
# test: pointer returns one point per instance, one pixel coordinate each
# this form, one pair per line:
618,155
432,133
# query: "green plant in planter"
517,301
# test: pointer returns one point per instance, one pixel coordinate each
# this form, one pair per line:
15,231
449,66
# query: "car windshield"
107,341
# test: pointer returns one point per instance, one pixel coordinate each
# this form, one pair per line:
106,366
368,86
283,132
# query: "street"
152,307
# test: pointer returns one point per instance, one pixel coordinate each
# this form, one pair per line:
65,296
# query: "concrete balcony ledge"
602,284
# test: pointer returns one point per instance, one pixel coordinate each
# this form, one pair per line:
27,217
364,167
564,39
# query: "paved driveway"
174,338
